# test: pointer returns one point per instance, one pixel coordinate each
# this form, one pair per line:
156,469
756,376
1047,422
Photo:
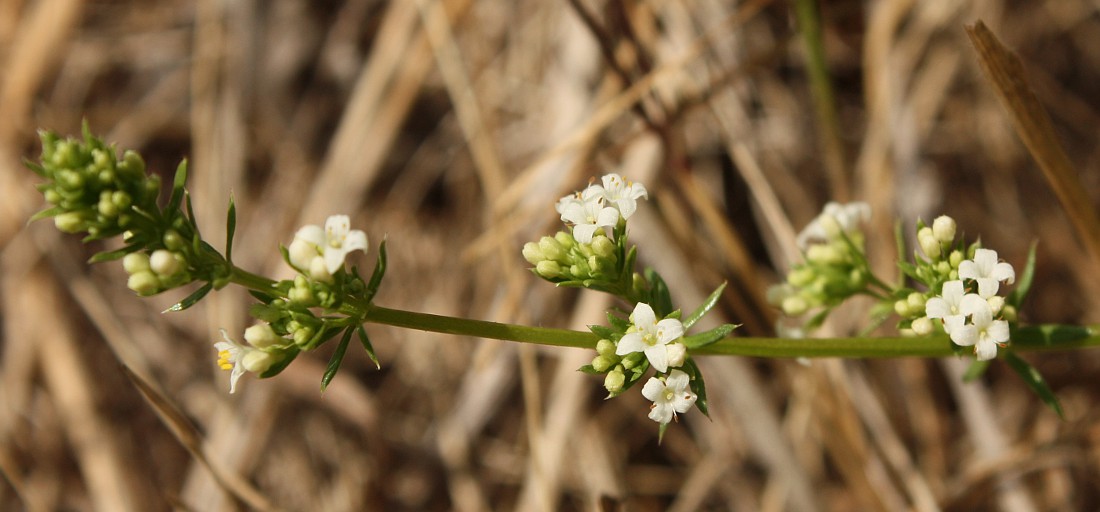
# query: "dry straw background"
450,127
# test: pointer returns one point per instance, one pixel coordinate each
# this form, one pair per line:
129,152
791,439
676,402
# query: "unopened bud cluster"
561,258
90,189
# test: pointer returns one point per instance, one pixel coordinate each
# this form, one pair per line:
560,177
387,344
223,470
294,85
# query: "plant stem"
480,328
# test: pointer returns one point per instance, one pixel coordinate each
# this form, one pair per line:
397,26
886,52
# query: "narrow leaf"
659,294
604,332
177,188
706,338
1035,381
379,272
975,371
705,307
100,257
48,212
337,358
589,370
697,386
368,347
191,300
1023,284
281,365
230,228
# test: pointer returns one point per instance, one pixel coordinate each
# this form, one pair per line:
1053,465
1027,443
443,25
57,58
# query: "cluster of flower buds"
560,258
90,189
156,272
834,266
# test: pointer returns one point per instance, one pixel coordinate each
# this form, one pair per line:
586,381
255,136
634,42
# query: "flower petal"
985,350
1003,271
653,389
936,307
998,331
630,343
312,234
964,335
643,316
668,330
658,357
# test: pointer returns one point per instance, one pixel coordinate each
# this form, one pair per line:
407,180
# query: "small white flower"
947,306
333,243
587,213
623,194
241,358
835,219
650,336
983,333
985,269
669,397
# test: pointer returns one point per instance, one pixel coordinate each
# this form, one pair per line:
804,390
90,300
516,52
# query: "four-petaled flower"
835,219
983,333
672,396
985,269
241,358
587,213
947,306
332,244
650,336
623,194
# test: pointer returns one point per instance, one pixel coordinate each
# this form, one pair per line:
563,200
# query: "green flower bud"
262,336
928,242
135,262
901,307
1008,312
549,269
956,258
916,301
566,240
794,305
801,276
603,247
173,241
631,360
145,283
922,326
132,165
70,222
166,263
106,207
69,179
603,363
551,249
259,361
532,253
614,381
52,196
121,199
605,347
302,336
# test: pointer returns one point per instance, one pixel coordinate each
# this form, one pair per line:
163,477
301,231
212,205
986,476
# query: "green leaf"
697,386
178,189
277,368
706,338
379,272
658,293
1016,298
606,333
975,371
48,212
36,168
626,275
818,319
100,257
589,370
337,358
661,432
191,300
617,323
705,307
230,228
261,296
368,347
1035,381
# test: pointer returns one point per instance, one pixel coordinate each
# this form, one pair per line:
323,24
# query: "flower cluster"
969,308
834,267
599,206
289,325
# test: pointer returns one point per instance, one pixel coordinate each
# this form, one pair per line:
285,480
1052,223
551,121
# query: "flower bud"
173,241
565,239
105,206
302,336
145,283
677,353
301,254
603,246
996,304
551,249
262,336
794,305
614,381
318,271
901,307
258,361
165,262
916,301
928,242
603,363
605,347
955,258
824,254
531,253
943,228
135,262
801,276
70,222
548,269
923,326
1009,313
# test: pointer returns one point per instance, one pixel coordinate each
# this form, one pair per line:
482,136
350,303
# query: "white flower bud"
943,228
916,301
258,361
165,263
318,271
605,347
551,249
794,305
901,307
928,242
144,283
603,363
301,254
677,353
996,303
614,381
262,336
532,253
923,326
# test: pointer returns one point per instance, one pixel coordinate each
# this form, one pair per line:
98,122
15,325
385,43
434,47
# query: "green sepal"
1016,298
368,346
975,371
178,190
266,298
706,338
100,257
618,324
658,293
48,212
589,370
661,432
230,228
269,314
34,167
288,356
697,386
1035,381
606,333
191,300
379,273
815,321
337,358
705,307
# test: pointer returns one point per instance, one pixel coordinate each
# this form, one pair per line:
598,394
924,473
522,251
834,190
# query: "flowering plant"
948,299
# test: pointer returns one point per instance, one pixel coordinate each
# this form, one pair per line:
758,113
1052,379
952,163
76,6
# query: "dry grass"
451,127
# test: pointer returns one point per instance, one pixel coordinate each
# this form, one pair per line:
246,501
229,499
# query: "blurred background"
450,128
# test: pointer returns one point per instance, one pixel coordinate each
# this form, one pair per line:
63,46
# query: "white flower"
241,358
985,269
947,306
983,333
835,219
623,194
669,397
587,213
333,243
650,336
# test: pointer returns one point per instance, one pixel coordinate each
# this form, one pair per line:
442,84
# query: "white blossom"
948,306
623,194
239,358
987,271
835,219
983,333
587,213
672,396
650,336
332,244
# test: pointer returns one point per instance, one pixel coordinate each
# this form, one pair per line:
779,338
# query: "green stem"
249,280
480,328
